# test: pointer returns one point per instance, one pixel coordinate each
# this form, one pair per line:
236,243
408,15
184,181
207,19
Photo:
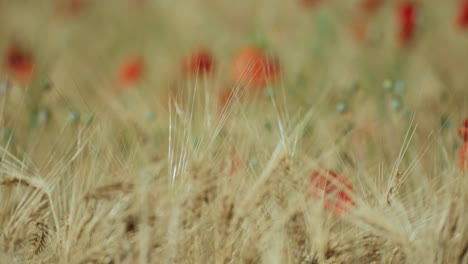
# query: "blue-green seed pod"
73,117
269,92
150,115
396,103
342,107
399,88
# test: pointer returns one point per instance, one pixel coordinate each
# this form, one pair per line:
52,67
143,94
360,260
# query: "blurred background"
317,41
404,57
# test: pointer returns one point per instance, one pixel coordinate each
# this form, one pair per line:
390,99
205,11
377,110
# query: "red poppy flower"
406,13
20,63
198,63
252,66
335,189
462,18
131,71
463,130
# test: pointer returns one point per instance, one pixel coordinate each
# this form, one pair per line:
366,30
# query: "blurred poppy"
199,63
462,18
406,14
20,63
252,66
463,130
335,189
131,71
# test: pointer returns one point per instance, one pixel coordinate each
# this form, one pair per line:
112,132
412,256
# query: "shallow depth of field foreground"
209,131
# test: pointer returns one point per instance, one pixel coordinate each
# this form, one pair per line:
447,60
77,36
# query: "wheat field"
353,152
